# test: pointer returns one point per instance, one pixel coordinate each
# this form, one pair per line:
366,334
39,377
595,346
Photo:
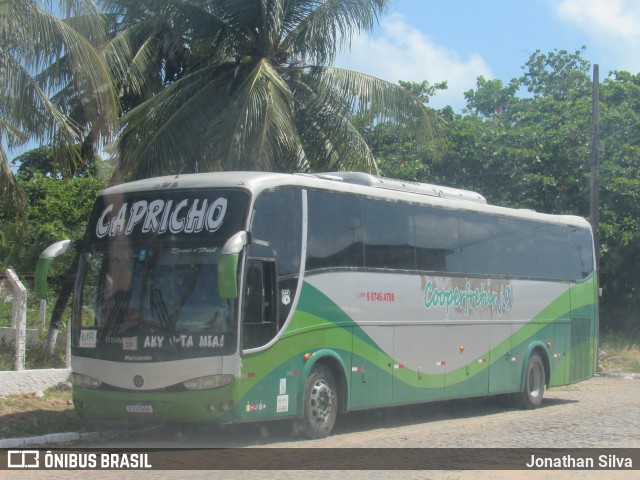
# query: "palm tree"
55,87
247,84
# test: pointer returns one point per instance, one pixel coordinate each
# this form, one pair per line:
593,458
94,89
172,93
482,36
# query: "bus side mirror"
44,263
228,265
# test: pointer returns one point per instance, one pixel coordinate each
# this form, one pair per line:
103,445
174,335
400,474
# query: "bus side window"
260,308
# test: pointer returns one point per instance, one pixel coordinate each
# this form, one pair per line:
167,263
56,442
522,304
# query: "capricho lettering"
160,216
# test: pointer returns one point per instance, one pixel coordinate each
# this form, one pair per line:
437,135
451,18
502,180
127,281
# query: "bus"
239,296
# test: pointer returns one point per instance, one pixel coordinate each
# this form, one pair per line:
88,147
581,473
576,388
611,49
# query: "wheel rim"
321,400
535,381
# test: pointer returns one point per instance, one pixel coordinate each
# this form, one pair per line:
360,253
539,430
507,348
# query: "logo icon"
23,459
138,381
286,297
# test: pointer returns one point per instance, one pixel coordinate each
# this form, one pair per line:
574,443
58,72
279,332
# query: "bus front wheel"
320,402
534,382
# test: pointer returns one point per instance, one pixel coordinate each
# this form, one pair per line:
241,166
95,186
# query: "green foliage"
57,209
401,153
51,163
423,90
558,75
491,97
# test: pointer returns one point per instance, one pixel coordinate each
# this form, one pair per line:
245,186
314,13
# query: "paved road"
602,412
599,413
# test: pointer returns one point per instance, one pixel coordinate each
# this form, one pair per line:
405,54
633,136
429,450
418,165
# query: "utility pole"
595,165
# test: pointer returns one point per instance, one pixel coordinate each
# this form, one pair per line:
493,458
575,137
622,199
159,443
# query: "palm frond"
165,134
262,128
15,136
42,55
384,100
12,197
29,107
317,30
39,40
133,59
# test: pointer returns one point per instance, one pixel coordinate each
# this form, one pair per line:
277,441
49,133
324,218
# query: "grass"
619,353
27,415
35,357
51,411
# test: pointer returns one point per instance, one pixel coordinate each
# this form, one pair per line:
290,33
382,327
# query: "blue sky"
458,40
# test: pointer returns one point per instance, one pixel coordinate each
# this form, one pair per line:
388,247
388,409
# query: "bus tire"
320,402
534,382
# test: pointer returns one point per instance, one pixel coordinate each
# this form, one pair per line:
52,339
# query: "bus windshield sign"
213,214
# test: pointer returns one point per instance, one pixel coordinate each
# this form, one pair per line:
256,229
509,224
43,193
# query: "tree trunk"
60,306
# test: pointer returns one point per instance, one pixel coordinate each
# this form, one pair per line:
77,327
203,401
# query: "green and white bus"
237,296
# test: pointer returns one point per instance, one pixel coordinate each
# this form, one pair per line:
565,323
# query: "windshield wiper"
119,304
160,309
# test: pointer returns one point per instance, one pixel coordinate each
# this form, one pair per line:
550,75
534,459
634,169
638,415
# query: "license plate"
139,407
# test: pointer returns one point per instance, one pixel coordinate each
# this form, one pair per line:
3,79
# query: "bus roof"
346,182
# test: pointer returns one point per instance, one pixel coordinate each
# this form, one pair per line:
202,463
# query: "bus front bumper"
150,407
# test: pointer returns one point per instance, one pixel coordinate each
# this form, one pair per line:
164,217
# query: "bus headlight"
212,381
85,381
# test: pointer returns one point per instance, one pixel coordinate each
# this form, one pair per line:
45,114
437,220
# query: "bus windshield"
153,304
147,287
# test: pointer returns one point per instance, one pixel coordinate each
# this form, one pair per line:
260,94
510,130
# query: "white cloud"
401,51
612,25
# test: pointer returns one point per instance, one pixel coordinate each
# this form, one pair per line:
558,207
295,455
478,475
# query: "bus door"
260,319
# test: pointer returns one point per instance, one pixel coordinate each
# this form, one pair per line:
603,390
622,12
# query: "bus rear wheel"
320,402
534,382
